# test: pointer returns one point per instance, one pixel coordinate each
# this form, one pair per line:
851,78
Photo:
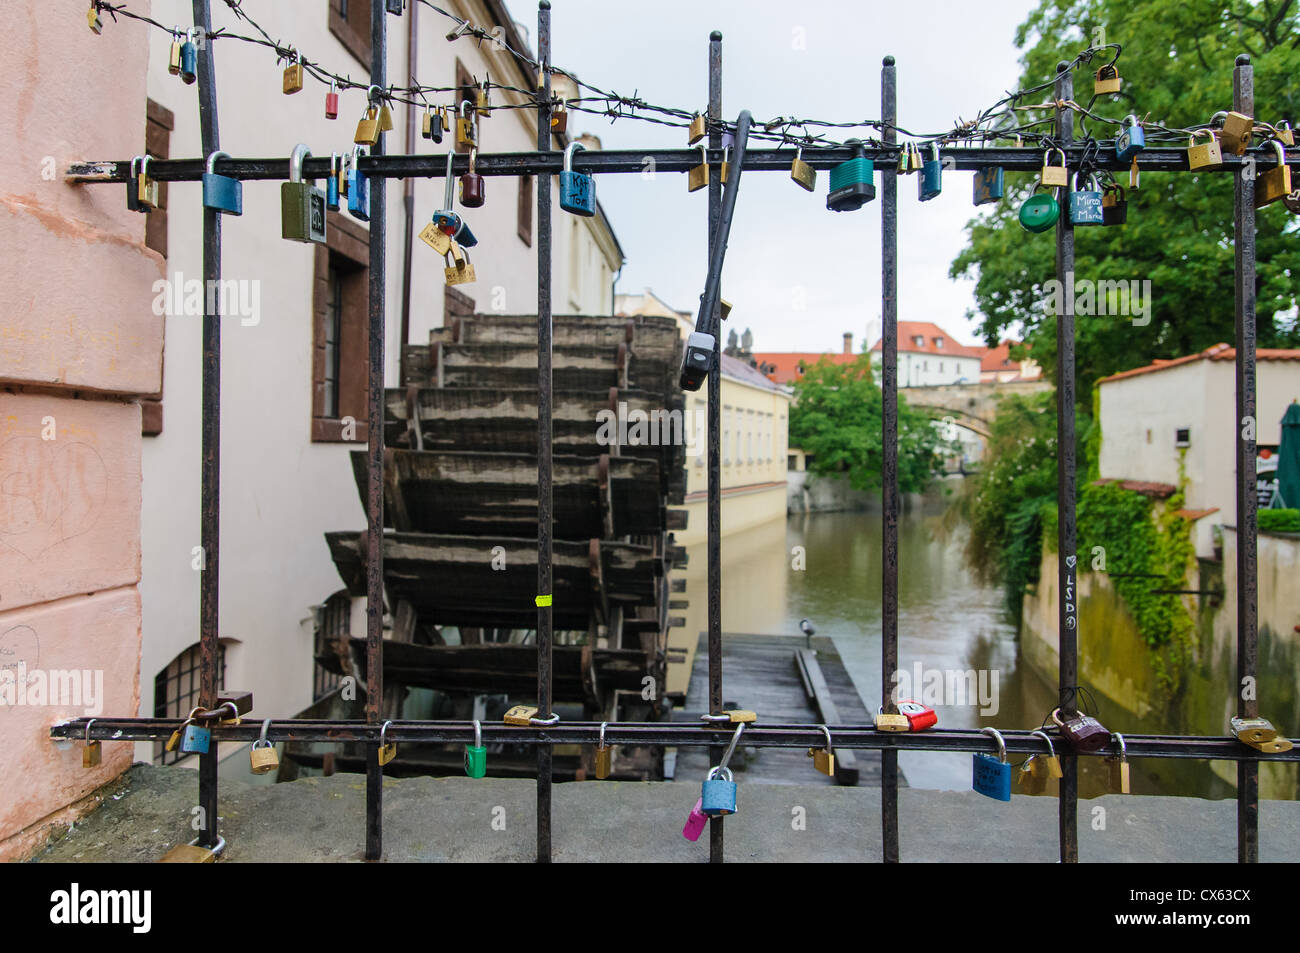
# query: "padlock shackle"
478,733
1039,733
1002,745
1060,152
135,162
722,773
382,732
448,194
144,164
1123,748
830,747
300,152
1196,132
601,741
569,150
1135,124
212,160
1280,149
731,748
473,157
266,726
88,724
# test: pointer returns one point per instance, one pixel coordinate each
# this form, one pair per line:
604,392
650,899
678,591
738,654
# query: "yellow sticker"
542,601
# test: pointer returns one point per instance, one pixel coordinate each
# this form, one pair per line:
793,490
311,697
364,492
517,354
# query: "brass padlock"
886,721
1054,175
696,131
1118,766
739,716
804,175
174,57
93,21
465,125
387,750
1251,730
1032,776
436,238
481,103
824,758
368,128
1236,132
1282,129
604,755
459,271
147,188
1276,746
385,118
698,177
1273,184
559,117
262,757
293,75
1051,763
93,753
1107,81
520,715
1207,155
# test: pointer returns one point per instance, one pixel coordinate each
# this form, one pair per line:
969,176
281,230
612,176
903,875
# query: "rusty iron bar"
1243,101
210,438
628,161
545,528
375,481
1066,481
776,735
890,500
714,502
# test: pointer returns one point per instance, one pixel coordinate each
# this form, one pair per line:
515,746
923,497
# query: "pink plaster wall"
78,340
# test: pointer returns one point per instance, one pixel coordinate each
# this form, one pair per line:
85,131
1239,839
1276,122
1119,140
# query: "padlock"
1051,763
358,189
436,238
332,183
455,227
133,187
332,101
93,20
1283,133
1273,184
174,56
1032,777
385,117
919,717
824,758
222,192
726,163
988,185
471,184
302,205
991,776
804,175
195,739
698,177
1252,730
387,749
1118,766
368,128
853,182
577,189
431,124
446,220
459,271
189,60
93,753
740,716
718,796
520,715
697,360
1083,732
604,755
481,104
887,721
1039,212
1107,81
1134,175
930,182
696,822
1131,141
696,130
465,125
476,754
293,75
1236,132
1208,155
1114,205
1054,175
147,188
262,757
1085,205
559,117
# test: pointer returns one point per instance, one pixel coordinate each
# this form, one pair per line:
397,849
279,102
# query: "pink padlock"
696,823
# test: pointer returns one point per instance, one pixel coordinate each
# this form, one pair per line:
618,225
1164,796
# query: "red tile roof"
908,331
997,358
785,364
1218,352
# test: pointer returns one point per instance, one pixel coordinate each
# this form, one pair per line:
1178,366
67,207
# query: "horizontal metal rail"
658,733
434,166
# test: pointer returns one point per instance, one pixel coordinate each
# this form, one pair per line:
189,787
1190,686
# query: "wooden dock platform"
761,673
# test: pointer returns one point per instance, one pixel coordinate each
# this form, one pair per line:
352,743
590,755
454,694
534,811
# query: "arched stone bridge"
972,406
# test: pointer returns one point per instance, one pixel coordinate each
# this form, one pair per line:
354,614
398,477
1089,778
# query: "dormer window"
919,341
938,342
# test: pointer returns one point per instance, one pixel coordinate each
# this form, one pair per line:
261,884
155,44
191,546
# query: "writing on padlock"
520,715
991,776
577,189
458,270
1085,204
1083,732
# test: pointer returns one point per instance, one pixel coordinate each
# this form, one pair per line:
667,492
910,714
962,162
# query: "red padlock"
919,717
471,184
332,102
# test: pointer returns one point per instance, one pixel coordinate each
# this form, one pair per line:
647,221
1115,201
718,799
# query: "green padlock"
302,205
476,754
1039,213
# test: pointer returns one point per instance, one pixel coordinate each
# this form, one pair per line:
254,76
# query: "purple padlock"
696,823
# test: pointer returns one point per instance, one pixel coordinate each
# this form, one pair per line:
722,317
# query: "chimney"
848,342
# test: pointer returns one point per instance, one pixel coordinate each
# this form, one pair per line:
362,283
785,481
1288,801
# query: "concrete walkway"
451,819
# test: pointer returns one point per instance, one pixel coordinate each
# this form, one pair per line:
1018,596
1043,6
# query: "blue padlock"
1085,205
577,190
221,192
455,226
991,776
189,59
718,796
1131,141
988,185
930,182
358,189
195,739
332,184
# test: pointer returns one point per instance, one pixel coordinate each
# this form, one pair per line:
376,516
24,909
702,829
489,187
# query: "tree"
1177,69
837,417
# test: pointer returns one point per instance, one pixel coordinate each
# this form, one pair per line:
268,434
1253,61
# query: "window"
919,341
941,367
701,432
176,693
524,226
938,343
726,436
350,24
331,640
340,342
158,126
1183,437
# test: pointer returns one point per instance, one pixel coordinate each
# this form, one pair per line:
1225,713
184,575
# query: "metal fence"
543,164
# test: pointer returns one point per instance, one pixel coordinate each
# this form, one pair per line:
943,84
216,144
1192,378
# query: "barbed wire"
1000,121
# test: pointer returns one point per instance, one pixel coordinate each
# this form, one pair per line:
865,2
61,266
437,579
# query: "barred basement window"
176,693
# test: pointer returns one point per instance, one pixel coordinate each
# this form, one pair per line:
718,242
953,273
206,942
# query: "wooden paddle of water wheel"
460,543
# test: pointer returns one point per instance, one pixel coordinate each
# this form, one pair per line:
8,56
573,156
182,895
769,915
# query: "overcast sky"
953,58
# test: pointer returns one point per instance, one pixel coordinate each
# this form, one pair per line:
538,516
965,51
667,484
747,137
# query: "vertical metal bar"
1067,615
210,467
1243,101
544,473
715,439
375,484
889,495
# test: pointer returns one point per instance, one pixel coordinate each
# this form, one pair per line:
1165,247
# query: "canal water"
826,567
